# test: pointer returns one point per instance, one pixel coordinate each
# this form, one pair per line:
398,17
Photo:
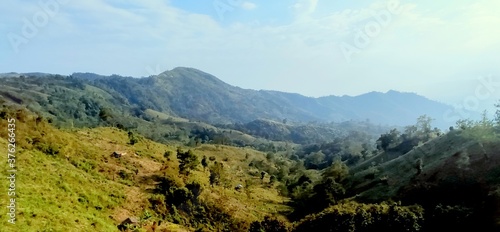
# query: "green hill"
196,95
459,170
183,151
69,180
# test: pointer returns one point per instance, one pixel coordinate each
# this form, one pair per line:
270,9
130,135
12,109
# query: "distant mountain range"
196,95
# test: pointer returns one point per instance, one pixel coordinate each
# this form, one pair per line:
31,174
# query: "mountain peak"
191,74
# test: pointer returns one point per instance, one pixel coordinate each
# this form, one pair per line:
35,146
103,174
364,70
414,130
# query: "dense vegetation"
119,149
199,96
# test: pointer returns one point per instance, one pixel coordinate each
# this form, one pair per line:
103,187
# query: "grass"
77,185
443,155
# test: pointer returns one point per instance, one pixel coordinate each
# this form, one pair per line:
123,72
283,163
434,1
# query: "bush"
269,224
352,216
157,202
125,175
187,161
132,138
48,148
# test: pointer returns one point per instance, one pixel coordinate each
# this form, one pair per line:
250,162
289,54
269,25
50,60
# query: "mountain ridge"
194,94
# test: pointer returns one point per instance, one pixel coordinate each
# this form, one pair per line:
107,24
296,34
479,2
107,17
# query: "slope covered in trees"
193,94
181,174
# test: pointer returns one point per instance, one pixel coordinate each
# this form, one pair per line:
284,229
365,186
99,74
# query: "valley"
183,151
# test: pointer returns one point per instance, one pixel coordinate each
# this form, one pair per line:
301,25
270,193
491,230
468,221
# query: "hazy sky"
312,47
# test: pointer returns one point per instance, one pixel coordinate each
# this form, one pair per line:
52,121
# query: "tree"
132,138
105,114
410,131
262,175
328,191
314,160
388,140
187,161
485,121
216,172
167,154
424,130
272,179
204,162
419,166
269,224
270,156
465,124
338,171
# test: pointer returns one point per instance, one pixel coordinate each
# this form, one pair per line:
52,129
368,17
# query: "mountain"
202,96
392,107
196,95
321,175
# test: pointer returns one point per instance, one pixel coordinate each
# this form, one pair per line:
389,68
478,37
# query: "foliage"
184,206
204,162
269,224
187,161
338,171
388,140
352,216
132,138
216,173
315,197
59,188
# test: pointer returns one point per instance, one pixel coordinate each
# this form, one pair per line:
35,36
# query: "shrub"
167,154
132,138
187,161
352,216
269,224
47,148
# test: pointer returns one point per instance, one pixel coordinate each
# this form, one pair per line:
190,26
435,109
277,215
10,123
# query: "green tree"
315,159
388,140
187,161
132,138
105,114
204,162
485,121
338,171
424,124
167,154
328,191
269,224
216,172
465,124
272,179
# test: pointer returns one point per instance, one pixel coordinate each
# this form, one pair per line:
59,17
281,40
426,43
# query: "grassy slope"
79,188
440,160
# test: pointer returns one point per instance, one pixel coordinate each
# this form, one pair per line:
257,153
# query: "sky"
445,50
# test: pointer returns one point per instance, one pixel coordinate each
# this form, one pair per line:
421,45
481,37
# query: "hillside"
152,105
95,150
196,95
69,180
459,170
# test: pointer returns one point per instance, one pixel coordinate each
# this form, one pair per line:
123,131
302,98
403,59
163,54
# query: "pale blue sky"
312,47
